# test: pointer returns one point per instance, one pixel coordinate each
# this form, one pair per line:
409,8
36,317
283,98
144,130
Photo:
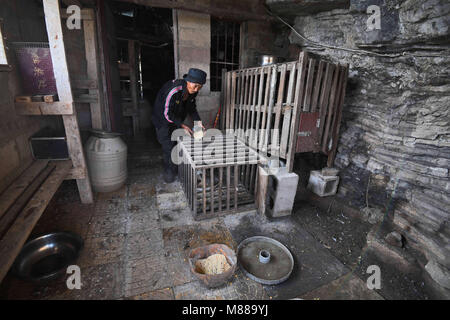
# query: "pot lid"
265,260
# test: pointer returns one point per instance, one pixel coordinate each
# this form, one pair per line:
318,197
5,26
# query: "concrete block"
281,193
261,189
322,185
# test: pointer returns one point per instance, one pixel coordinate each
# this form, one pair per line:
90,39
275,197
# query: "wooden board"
15,237
90,44
295,118
9,196
44,108
10,215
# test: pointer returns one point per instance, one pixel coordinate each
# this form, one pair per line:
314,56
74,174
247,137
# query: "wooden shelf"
44,108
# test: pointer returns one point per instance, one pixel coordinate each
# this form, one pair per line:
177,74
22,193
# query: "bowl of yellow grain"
213,264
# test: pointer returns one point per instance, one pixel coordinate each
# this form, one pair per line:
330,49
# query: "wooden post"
90,41
133,84
302,61
61,72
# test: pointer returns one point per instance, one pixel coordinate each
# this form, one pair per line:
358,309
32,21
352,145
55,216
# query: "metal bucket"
106,156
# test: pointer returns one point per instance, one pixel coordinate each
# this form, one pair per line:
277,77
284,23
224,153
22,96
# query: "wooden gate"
286,108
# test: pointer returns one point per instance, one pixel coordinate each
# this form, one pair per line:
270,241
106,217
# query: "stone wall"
264,38
193,50
395,134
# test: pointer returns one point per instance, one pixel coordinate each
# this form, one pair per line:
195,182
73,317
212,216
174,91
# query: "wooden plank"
317,86
243,104
229,101
223,98
323,101
133,82
266,102
91,98
258,112
10,195
76,173
253,108
22,99
86,14
90,44
204,190
233,99
44,108
10,215
236,186
273,85
276,125
50,98
287,113
15,237
337,124
330,110
61,73
84,84
299,89
250,106
309,84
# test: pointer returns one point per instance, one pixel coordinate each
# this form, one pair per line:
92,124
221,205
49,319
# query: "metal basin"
47,257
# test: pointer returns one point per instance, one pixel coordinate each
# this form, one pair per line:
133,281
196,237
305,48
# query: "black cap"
196,76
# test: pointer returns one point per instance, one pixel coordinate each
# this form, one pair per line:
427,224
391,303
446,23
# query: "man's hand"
187,129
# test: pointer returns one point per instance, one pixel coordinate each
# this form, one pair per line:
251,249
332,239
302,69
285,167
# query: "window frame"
233,61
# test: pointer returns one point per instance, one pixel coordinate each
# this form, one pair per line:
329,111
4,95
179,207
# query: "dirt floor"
137,240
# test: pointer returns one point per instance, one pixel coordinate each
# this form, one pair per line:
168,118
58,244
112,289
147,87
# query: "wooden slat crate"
269,107
218,176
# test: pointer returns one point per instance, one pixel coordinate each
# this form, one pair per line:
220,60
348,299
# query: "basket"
213,280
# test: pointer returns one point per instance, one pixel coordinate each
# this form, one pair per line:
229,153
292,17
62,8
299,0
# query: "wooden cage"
286,108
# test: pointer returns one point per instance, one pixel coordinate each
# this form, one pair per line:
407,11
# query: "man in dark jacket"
174,101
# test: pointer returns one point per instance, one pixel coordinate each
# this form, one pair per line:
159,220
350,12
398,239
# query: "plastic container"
106,156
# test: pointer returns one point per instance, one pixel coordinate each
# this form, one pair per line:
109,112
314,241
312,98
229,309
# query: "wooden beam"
84,84
61,73
44,108
90,41
242,10
86,14
133,82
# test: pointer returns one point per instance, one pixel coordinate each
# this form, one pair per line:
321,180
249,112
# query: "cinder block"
322,185
281,193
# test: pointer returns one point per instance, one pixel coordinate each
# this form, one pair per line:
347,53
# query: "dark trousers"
163,135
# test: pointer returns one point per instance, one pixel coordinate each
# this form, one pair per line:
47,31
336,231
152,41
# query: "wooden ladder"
61,72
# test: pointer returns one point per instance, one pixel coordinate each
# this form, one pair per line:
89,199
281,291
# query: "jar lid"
104,134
